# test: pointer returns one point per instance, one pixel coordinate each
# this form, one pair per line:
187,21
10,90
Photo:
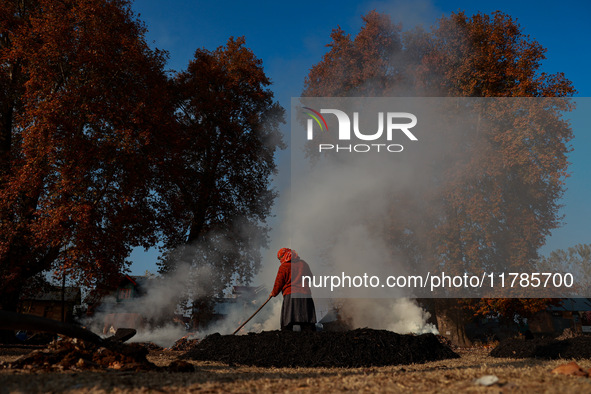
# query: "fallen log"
18,321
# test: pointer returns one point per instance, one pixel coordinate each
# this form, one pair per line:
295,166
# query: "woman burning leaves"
298,305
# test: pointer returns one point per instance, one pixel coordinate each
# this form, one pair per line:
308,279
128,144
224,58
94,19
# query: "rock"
486,380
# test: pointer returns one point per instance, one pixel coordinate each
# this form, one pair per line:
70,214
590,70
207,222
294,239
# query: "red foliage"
81,105
218,186
497,200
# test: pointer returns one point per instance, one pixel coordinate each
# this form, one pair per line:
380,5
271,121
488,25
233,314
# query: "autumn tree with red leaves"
101,152
83,112
498,206
219,182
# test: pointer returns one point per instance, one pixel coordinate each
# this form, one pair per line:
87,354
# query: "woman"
299,309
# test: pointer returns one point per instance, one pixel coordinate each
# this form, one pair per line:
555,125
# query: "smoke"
337,214
237,310
355,213
269,321
152,311
164,336
266,319
352,214
400,315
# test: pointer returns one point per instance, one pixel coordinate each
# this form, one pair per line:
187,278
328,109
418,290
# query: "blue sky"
290,37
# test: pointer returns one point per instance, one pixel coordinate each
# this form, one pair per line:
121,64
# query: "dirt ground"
455,375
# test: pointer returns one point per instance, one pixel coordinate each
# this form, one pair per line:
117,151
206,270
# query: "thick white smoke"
401,315
152,312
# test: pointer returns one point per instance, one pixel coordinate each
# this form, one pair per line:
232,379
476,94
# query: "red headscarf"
286,254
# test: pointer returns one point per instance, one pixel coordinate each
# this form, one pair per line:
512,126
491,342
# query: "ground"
447,376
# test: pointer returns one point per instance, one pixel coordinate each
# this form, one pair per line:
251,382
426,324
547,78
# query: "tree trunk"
9,299
451,321
8,302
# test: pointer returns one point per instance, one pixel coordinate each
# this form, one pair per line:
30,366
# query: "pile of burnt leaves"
544,348
357,348
75,354
184,344
151,346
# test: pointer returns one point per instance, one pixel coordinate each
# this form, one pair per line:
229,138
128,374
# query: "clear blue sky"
290,37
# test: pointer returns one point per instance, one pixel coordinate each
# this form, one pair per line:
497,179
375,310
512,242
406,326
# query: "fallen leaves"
571,368
77,355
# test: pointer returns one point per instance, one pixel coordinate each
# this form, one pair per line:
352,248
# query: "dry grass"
448,376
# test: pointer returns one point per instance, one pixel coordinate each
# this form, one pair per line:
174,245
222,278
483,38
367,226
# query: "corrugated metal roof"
71,294
573,305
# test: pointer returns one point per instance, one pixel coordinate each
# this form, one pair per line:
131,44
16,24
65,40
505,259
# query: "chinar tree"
219,182
499,200
83,112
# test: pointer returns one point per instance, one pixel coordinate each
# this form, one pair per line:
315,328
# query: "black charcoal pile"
356,348
544,348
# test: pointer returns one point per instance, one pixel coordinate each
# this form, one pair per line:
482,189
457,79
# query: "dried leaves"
74,354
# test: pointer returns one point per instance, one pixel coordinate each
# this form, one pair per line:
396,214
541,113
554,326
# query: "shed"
50,301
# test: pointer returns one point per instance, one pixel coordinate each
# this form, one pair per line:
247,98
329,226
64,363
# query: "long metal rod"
257,311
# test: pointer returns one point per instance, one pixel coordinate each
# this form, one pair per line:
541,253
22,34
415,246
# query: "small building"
53,302
130,287
572,313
